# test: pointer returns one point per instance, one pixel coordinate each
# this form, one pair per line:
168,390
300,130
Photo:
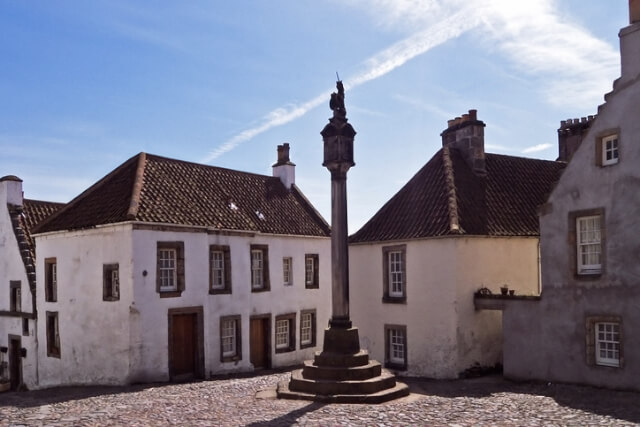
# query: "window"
607,344
394,274
15,297
285,336
50,280
286,271
259,268
609,149
311,271
588,242
170,269
307,328
25,326
395,346
110,282
219,269
604,341
53,336
230,339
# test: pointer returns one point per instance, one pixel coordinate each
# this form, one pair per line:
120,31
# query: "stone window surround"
590,339
573,243
50,279
238,339
287,270
226,253
178,246
386,297
15,296
599,146
265,267
53,334
313,328
315,284
291,318
387,347
108,288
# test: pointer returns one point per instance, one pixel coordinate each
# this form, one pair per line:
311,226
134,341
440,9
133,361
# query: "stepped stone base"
342,373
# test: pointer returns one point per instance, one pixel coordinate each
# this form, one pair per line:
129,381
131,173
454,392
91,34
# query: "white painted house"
467,220
18,344
165,270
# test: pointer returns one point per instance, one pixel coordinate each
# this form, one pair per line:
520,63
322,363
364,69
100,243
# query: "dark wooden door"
15,363
259,345
183,346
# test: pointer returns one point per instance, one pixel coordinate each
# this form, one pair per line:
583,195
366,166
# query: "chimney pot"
450,123
473,115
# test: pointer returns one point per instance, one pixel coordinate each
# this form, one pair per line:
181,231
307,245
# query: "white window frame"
397,346
217,270
228,338
283,327
610,147
306,328
257,268
309,270
168,258
607,343
396,273
589,244
287,263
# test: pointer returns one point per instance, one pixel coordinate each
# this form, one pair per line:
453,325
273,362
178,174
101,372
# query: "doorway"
15,362
260,342
186,357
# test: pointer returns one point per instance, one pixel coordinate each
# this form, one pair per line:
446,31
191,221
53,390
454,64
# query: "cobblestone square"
249,401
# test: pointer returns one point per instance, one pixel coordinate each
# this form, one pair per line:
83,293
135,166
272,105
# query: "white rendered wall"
445,334
94,334
12,268
152,348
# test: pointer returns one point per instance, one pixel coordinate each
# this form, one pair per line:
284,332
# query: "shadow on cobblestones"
624,405
289,418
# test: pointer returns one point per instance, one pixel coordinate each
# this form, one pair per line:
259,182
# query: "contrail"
378,65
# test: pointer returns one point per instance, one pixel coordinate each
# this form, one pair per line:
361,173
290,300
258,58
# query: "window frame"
290,319
236,320
15,296
264,271
579,270
601,148
314,283
225,250
287,271
390,361
53,334
110,291
389,296
592,341
176,247
50,279
312,328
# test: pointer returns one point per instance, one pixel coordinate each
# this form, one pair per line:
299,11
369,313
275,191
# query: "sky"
84,86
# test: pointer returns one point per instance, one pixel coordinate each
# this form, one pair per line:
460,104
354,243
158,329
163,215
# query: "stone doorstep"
315,372
396,392
338,360
386,380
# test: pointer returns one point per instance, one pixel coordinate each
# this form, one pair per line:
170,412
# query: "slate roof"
154,189
446,198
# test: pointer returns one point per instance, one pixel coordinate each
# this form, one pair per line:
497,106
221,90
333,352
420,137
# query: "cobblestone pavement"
249,401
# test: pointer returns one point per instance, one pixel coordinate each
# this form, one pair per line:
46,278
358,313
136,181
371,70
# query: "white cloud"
537,148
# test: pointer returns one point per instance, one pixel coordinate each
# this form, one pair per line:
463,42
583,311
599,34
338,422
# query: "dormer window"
610,150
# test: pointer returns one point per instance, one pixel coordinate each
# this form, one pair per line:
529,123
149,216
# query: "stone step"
372,385
325,358
315,372
399,390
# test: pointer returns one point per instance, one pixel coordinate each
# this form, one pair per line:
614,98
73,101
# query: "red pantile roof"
33,213
156,189
445,198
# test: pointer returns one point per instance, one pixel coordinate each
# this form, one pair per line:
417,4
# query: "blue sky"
86,85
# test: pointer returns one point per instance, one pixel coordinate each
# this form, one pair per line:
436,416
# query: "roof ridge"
454,220
151,156
82,195
134,204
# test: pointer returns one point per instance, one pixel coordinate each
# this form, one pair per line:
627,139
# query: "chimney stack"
630,46
634,11
283,168
11,190
466,134
570,136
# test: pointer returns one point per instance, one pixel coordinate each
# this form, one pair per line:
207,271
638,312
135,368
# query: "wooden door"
183,346
259,342
15,363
